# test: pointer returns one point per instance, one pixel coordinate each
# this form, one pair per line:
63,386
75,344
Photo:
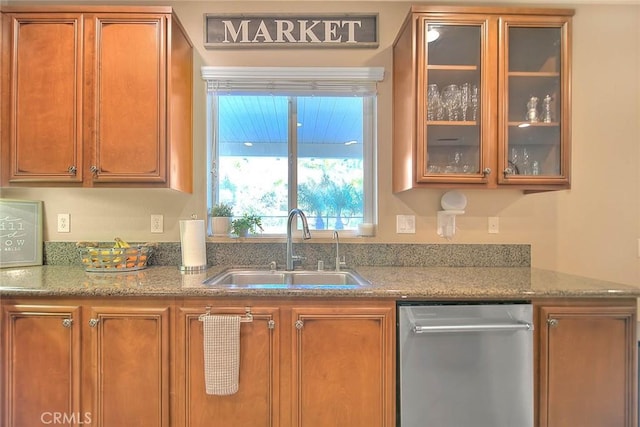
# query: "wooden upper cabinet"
42,98
127,68
482,98
98,96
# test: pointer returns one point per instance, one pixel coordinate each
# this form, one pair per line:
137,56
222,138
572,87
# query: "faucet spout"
306,234
337,239
339,262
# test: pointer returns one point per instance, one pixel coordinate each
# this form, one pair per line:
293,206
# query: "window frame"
298,81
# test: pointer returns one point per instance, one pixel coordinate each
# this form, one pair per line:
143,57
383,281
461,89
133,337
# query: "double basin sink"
279,279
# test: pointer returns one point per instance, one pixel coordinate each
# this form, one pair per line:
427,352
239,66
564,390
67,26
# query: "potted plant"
246,224
220,215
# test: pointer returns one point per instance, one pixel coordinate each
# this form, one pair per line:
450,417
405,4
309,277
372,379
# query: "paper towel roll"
192,239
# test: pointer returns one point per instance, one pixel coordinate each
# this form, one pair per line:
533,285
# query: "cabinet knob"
299,324
552,322
508,171
72,170
94,169
67,323
93,322
486,171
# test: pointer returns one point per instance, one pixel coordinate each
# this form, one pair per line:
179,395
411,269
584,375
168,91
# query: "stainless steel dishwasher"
465,365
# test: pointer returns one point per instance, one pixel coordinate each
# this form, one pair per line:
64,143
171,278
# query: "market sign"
302,31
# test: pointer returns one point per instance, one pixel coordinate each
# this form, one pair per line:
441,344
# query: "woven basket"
102,259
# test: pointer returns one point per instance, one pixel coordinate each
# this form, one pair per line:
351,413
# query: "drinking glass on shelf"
526,166
451,98
474,102
434,103
465,100
515,161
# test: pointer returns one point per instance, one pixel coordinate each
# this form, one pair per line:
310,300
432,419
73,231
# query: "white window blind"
293,81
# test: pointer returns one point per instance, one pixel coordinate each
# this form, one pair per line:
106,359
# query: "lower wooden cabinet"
587,359
40,364
128,375
85,364
342,366
257,401
302,363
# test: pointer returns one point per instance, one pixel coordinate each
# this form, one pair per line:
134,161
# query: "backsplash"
374,254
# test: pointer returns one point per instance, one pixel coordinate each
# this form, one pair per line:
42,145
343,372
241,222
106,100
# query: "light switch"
405,224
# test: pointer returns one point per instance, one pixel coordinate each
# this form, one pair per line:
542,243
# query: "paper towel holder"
453,203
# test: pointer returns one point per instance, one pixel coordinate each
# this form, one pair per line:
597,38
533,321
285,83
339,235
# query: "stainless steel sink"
248,278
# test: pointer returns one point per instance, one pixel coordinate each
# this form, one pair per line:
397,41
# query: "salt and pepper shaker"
532,109
547,116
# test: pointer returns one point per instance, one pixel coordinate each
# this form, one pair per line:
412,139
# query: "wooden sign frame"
20,233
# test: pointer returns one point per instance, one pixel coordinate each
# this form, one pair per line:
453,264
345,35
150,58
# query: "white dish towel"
221,354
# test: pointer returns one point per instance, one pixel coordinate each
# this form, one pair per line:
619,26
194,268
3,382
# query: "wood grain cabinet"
41,369
75,364
342,368
96,96
482,98
302,363
257,401
587,364
127,378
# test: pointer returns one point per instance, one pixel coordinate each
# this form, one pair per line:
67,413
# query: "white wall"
592,229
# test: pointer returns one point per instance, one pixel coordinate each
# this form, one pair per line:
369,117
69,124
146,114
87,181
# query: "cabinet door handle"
72,170
67,323
508,171
486,171
299,324
93,322
552,323
94,169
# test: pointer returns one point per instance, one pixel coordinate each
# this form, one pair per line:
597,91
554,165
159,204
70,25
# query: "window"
281,138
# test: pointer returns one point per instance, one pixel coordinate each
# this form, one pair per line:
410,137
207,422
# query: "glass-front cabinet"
482,98
454,77
534,91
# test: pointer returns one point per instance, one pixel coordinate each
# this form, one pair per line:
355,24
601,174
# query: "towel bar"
247,318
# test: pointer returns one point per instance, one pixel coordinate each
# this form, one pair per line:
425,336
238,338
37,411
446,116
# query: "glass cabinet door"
453,91
534,125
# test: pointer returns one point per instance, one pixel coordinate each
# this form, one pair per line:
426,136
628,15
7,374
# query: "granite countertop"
386,282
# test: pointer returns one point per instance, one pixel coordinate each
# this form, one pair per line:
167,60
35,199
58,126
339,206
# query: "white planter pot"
220,226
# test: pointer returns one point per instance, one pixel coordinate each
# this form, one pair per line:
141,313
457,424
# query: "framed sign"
285,30
20,233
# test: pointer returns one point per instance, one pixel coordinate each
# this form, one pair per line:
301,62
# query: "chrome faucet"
338,261
292,260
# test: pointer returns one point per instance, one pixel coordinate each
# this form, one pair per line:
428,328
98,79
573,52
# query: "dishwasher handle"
486,327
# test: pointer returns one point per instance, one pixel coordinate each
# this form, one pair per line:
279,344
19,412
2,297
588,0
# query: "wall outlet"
493,225
64,225
405,224
157,223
